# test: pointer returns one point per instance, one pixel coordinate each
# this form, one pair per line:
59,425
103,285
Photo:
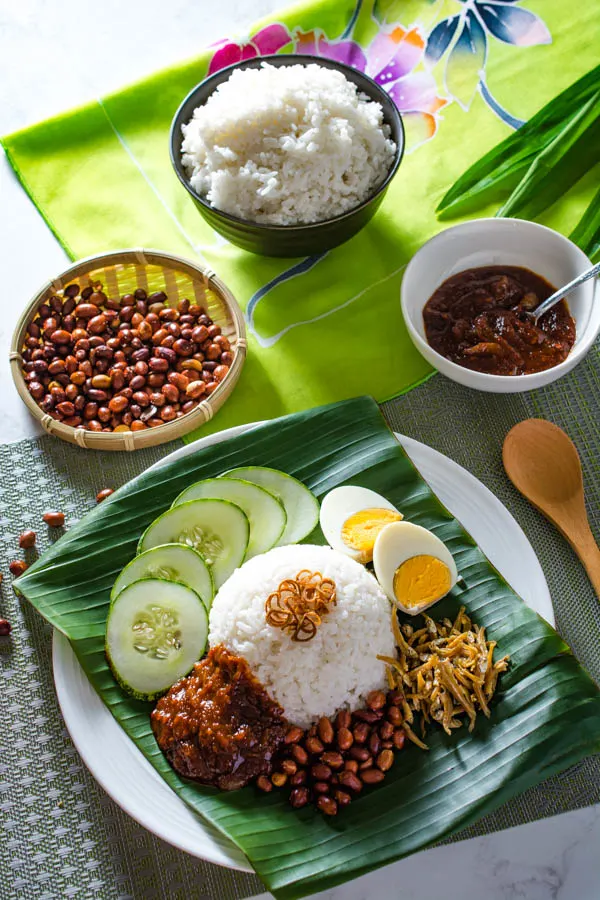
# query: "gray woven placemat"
61,835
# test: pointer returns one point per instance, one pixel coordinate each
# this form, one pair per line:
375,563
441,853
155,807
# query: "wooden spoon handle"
587,550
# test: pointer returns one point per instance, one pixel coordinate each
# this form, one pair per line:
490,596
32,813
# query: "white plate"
125,774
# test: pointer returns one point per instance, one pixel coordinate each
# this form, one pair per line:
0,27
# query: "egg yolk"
421,580
360,530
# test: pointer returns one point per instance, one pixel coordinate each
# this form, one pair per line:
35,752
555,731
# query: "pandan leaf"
587,233
572,153
496,174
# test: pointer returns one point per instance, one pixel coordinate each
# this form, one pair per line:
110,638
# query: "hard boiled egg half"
351,518
413,566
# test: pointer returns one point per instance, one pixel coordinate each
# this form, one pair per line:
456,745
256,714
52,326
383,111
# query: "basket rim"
131,440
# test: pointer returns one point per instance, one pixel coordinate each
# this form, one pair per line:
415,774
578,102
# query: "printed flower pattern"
268,40
464,38
391,60
402,59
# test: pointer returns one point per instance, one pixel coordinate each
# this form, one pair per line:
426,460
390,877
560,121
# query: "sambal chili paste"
479,319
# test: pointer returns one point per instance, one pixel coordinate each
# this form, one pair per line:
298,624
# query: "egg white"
338,505
400,541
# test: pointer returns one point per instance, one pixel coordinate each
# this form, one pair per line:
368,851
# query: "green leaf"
499,171
572,153
545,716
587,233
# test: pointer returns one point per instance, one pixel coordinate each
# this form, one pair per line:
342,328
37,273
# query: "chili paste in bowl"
480,319
467,297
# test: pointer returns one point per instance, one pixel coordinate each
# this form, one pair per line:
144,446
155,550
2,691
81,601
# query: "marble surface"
54,56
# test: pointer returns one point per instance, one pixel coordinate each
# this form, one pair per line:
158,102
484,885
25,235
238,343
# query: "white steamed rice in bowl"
334,670
287,145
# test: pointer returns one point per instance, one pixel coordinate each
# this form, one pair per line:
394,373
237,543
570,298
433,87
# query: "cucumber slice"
217,529
301,506
170,562
155,632
265,513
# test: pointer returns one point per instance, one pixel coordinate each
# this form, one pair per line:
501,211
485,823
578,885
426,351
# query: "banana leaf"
559,166
500,170
587,233
545,715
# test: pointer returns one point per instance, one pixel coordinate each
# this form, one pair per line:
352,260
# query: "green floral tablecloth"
326,327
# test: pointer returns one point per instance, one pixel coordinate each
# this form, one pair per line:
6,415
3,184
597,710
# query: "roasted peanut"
313,745
27,540
333,759
361,732
118,404
361,754
351,781
394,715
320,787
264,783
386,730
325,730
372,776
376,700
87,310
194,390
86,342
343,719
66,408
385,760
221,373
168,413
342,798
299,797
327,805
293,735
370,716
54,519
320,772
399,738
344,738
299,754
374,743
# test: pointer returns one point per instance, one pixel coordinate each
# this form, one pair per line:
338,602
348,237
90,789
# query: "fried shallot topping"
445,670
299,604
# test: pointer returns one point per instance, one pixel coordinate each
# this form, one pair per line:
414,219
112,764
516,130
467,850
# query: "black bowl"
287,240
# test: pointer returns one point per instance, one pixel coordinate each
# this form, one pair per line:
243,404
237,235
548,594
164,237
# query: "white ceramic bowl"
492,242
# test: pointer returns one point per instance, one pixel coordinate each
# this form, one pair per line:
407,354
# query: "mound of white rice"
287,145
339,666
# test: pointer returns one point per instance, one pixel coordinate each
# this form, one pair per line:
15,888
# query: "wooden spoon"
543,464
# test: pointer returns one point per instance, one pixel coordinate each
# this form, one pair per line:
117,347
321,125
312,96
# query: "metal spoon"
553,299
543,464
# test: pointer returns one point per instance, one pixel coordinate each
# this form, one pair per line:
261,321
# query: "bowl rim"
533,379
285,59
202,413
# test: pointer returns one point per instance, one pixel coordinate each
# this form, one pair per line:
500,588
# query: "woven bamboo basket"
121,272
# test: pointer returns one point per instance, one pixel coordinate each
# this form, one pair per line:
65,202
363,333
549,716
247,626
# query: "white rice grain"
286,146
